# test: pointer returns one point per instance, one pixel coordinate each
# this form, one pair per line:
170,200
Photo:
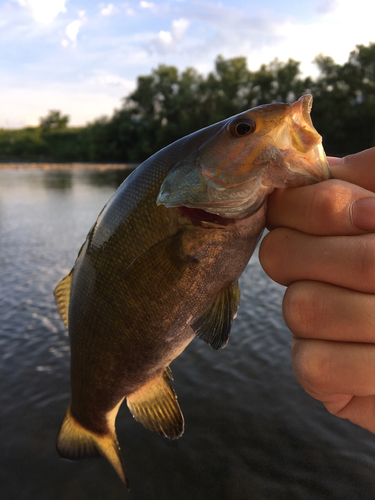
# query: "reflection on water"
112,178
251,431
55,179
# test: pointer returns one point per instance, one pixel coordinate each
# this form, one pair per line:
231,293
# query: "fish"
160,266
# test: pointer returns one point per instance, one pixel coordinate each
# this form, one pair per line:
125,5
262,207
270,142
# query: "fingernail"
363,214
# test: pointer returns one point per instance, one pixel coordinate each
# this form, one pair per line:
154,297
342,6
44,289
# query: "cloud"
179,28
104,79
149,6
44,11
325,6
72,30
166,41
146,5
109,10
335,32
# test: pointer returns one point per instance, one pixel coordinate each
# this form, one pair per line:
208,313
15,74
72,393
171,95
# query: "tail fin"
75,442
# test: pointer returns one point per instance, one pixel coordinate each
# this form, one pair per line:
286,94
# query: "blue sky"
82,57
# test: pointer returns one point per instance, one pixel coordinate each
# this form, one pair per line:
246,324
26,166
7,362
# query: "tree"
54,121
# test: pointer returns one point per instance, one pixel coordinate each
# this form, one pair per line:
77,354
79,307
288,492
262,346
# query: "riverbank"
66,166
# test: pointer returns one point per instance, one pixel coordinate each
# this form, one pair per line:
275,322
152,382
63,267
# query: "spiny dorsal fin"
75,442
214,325
155,406
62,296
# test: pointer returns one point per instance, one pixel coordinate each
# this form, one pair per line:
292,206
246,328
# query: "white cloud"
149,6
146,5
179,28
167,40
165,37
105,79
335,33
72,30
108,10
261,37
44,11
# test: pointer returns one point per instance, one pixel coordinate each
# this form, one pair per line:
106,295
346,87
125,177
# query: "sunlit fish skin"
161,266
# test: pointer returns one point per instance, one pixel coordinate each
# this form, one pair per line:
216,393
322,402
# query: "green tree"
54,121
344,108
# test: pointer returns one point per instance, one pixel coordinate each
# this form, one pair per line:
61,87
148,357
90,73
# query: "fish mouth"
198,215
223,216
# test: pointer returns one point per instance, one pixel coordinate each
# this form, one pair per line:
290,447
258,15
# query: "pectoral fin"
62,296
155,406
214,325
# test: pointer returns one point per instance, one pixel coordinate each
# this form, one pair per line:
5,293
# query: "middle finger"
319,311
288,255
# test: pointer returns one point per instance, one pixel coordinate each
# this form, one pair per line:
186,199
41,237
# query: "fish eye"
241,127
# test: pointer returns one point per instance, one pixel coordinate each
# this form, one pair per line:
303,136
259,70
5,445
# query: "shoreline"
66,166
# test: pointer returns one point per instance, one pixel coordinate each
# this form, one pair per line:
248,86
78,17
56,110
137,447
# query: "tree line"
168,104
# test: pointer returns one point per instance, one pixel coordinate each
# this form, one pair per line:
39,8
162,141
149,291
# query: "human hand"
322,247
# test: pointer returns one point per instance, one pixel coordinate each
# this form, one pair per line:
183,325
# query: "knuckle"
330,199
273,251
366,259
311,365
300,309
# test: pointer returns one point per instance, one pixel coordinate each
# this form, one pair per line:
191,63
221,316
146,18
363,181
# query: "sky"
83,57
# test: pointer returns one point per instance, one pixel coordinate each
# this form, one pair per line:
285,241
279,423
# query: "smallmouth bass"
161,264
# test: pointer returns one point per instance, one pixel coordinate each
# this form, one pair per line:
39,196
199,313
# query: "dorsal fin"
215,323
155,406
62,296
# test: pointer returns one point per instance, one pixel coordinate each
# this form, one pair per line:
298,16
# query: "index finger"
358,168
332,207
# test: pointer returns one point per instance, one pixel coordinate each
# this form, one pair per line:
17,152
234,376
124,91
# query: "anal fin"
62,296
215,323
155,406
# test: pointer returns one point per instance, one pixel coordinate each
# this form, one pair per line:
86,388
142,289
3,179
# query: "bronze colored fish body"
160,266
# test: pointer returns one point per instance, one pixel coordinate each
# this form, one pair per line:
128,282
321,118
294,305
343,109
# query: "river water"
251,431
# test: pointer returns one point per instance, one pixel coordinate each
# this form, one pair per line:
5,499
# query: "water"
251,431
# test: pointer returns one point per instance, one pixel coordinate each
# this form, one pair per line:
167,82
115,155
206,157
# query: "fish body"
161,266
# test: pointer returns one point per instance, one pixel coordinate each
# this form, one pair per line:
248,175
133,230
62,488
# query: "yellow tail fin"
75,442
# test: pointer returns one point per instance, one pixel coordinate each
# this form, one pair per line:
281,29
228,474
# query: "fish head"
245,158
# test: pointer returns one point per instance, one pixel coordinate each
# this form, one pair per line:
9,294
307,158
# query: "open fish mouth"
309,156
199,215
